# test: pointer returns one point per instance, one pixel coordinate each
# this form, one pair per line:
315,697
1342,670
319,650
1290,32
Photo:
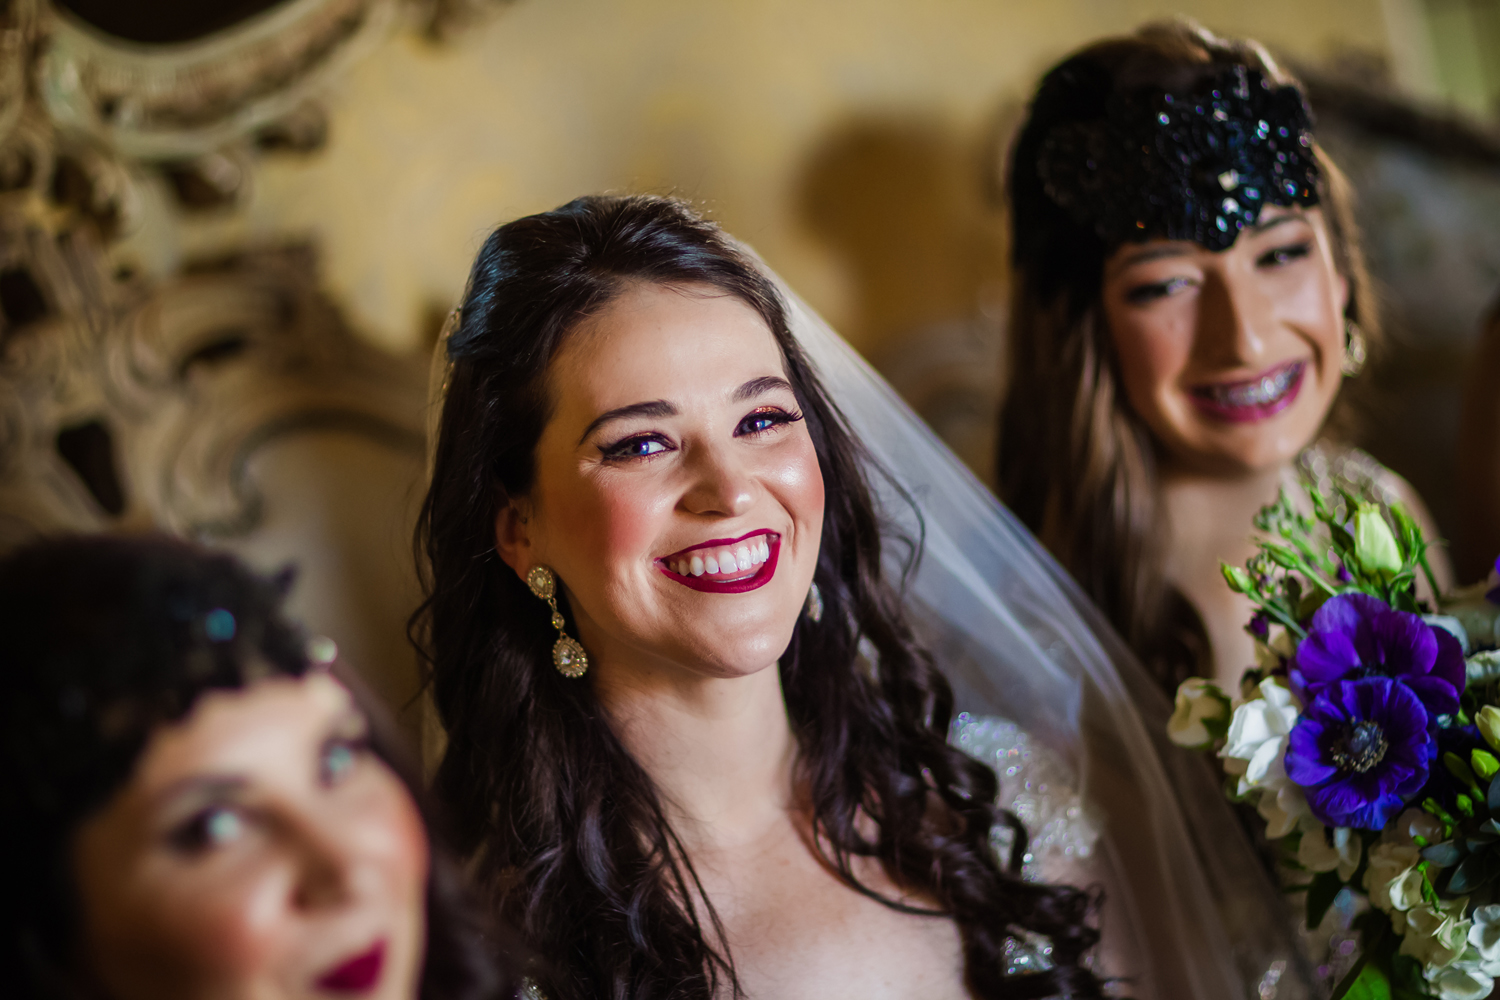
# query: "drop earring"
814,607
1355,352
567,655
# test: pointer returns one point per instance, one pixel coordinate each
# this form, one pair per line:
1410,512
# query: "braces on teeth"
1267,390
739,558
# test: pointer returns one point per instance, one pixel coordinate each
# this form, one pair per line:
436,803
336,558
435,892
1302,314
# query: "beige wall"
838,137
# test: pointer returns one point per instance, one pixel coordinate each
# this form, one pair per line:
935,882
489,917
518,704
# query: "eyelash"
1143,294
620,450
1284,255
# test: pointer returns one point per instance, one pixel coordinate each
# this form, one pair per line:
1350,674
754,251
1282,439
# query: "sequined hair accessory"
1198,166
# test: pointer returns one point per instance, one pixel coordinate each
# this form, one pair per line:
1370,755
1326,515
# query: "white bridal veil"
1189,910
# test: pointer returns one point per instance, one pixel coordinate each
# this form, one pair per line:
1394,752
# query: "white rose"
1200,715
1322,850
1389,863
1415,823
1461,983
1258,735
1436,937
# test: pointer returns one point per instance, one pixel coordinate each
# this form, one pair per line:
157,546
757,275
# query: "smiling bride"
696,745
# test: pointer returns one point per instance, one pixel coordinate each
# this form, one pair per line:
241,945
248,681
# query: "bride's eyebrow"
655,408
759,386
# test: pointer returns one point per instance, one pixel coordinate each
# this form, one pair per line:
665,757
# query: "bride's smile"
678,496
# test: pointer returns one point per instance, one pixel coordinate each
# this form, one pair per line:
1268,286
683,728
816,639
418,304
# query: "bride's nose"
718,485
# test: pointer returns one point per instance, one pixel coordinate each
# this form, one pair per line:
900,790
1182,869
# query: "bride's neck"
719,750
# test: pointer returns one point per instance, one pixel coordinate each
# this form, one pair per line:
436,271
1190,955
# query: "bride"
696,744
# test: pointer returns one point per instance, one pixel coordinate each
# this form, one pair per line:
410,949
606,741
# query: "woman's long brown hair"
564,824
1075,463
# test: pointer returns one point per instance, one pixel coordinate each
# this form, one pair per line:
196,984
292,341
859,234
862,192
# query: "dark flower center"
1362,747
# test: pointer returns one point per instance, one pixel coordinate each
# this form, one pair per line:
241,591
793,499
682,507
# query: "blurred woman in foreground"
195,807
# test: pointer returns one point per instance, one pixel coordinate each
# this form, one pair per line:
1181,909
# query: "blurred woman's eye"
211,828
640,446
765,419
339,758
1284,255
1142,294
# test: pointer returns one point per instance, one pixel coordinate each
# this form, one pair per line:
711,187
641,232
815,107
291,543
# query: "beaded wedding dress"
1051,698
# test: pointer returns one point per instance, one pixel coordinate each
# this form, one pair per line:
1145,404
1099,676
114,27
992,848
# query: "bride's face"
1231,359
677,493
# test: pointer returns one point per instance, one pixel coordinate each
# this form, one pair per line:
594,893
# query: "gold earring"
814,606
1355,352
567,655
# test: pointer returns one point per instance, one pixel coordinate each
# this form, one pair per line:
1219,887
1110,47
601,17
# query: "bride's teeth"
695,565
727,562
742,557
765,550
710,564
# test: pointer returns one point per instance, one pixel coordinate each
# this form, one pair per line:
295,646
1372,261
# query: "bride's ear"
513,537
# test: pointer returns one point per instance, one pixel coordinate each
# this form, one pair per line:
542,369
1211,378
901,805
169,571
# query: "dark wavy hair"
564,823
1074,461
103,640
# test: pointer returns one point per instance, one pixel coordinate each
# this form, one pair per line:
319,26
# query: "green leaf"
1456,767
1444,855
1366,981
1321,892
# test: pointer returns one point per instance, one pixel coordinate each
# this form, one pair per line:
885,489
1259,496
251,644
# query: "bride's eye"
764,419
213,827
640,446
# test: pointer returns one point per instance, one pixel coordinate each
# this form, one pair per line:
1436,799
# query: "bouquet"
1367,737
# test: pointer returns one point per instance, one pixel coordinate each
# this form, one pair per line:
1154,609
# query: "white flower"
1201,713
1436,937
1479,617
1483,667
1389,864
1258,735
1458,982
1484,935
1282,809
1324,850
1415,823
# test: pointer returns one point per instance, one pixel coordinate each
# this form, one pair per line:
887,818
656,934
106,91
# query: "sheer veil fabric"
1189,911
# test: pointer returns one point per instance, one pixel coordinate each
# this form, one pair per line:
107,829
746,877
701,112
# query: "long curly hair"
565,826
1074,461
105,641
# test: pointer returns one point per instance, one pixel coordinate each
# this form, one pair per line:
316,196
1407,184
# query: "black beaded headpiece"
1196,166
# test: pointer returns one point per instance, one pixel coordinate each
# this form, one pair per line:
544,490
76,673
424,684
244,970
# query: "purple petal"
1325,657
1449,663
1305,762
1345,613
1402,644
1437,696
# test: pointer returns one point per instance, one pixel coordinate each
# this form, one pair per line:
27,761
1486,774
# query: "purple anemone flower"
1360,751
1356,635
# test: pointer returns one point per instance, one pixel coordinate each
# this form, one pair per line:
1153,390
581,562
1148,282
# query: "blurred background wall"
284,260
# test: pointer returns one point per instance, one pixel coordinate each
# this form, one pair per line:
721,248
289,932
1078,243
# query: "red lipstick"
753,581
357,975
